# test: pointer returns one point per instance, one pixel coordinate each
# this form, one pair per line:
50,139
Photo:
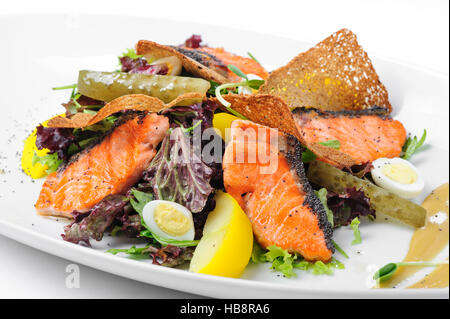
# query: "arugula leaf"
65,87
339,249
213,86
167,241
133,252
255,83
322,195
237,71
253,58
218,90
336,144
140,200
309,156
130,251
412,145
356,233
51,160
190,129
146,233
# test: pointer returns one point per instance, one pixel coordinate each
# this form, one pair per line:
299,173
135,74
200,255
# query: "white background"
413,31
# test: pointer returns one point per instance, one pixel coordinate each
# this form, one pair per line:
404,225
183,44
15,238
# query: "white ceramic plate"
40,52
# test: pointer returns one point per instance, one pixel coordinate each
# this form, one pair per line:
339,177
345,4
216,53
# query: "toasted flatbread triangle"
145,47
272,111
136,102
336,74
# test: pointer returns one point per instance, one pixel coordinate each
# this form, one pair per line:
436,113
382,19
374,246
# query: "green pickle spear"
106,86
381,200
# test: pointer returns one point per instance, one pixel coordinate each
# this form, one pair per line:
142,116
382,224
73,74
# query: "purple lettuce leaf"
168,256
80,103
140,65
96,221
189,115
193,42
345,207
57,140
171,256
178,174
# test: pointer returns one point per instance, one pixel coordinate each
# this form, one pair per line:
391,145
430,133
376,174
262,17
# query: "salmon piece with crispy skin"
218,59
246,65
111,166
364,135
281,205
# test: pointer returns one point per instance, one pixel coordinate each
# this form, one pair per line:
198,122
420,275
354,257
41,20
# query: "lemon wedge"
227,242
222,122
37,170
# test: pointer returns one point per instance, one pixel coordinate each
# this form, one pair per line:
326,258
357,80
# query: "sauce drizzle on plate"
427,242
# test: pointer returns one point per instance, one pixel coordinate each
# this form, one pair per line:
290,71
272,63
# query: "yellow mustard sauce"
427,242
436,279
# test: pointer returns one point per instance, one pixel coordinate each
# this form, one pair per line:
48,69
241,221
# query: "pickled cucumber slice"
381,200
106,86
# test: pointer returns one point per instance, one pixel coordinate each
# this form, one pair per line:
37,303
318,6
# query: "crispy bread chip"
265,109
272,111
137,102
336,74
145,47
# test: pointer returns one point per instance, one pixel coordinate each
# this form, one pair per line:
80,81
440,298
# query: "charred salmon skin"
246,65
110,167
218,59
364,135
281,205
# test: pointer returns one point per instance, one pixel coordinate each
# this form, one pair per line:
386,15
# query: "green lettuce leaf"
178,174
322,195
356,233
51,160
138,202
131,53
284,262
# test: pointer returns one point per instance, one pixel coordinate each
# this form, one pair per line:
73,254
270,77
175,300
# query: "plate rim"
40,241
76,253
376,56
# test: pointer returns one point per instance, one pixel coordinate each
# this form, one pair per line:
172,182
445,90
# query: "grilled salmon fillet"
218,59
364,135
281,205
246,65
110,167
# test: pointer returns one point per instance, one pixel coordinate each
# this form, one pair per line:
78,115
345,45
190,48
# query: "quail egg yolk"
400,173
171,220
